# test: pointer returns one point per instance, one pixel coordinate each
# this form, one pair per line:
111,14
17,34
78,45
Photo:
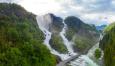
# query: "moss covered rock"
56,42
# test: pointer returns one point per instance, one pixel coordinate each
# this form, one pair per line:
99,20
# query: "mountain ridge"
78,31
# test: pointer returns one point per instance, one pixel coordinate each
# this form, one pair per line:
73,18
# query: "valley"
69,55
29,39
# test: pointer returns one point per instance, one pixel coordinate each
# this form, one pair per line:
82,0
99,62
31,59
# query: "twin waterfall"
44,26
83,60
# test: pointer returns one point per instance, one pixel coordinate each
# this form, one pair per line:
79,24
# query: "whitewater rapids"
44,26
83,60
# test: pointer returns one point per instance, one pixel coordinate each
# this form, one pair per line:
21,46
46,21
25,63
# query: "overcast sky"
90,11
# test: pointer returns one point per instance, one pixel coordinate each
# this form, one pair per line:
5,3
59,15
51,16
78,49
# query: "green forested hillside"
21,39
83,35
108,45
56,42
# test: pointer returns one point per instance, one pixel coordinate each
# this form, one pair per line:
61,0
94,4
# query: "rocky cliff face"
83,35
53,23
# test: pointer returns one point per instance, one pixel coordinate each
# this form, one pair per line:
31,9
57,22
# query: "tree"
97,53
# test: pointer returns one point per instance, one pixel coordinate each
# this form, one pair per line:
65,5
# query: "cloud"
93,11
10,1
40,7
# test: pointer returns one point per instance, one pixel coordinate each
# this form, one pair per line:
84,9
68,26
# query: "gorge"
45,23
27,39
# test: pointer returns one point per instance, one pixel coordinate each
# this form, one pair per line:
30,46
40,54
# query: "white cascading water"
85,60
67,43
44,26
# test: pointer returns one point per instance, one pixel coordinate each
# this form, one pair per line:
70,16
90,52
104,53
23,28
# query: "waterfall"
83,60
47,34
44,26
67,43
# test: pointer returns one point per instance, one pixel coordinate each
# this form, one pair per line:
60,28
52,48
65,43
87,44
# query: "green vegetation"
108,45
69,34
56,27
83,35
97,54
108,28
75,24
83,43
56,42
21,39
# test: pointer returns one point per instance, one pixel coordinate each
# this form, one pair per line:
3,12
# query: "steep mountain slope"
21,40
83,35
108,45
54,25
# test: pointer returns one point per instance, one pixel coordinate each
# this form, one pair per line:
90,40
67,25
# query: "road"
63,63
